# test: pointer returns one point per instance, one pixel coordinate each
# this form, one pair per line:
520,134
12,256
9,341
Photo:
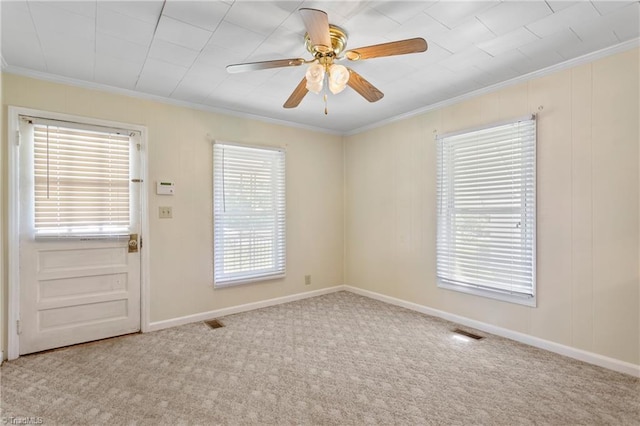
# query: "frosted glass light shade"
338,78
315,77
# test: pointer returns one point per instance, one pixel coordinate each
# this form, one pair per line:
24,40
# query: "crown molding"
41,75
589,57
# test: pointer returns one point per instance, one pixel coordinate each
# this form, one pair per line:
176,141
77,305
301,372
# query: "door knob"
133,243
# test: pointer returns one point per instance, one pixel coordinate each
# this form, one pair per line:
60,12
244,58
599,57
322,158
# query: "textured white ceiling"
179,49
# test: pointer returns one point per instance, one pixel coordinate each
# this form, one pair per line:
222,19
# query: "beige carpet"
336,359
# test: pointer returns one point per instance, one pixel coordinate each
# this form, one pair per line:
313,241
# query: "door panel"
86,313
75,289
60,259
52,289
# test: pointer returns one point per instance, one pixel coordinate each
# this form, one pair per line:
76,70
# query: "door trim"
13,215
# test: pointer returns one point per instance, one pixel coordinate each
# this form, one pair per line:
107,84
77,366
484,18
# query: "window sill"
232,283
504,297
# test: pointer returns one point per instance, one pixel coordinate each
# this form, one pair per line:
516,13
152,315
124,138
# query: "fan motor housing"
338,42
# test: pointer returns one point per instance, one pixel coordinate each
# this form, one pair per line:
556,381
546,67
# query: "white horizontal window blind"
81,181
486,210
248,213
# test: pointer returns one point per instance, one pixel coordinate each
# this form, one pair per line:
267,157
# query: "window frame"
278,215
470,287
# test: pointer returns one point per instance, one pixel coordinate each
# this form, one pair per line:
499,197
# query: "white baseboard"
579,354
203,316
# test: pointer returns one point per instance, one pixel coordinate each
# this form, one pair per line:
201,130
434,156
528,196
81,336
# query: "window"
248,214
81,177
486,211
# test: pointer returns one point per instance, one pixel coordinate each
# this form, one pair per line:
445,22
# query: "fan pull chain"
324,88
326,84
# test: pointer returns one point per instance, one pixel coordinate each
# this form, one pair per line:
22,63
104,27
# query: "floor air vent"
467,334
214,323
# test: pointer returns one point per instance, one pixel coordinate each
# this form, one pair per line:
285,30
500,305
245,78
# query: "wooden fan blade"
298,93
317,25
253,66
363,87
400,47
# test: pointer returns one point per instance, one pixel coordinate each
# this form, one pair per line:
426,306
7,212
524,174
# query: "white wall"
588,192
588,215
178,149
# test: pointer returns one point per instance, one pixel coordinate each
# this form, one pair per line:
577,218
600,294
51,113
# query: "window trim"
522,299
230,282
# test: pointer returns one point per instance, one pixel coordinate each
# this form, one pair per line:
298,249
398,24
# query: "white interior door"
79,205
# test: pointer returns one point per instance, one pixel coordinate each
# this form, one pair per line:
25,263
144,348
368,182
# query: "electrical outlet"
307,280
165,212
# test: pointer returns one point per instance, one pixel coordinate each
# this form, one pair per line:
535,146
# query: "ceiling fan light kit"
336,75
326,42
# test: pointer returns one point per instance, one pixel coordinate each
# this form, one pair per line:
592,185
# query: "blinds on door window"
486,209
81,181
248,213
